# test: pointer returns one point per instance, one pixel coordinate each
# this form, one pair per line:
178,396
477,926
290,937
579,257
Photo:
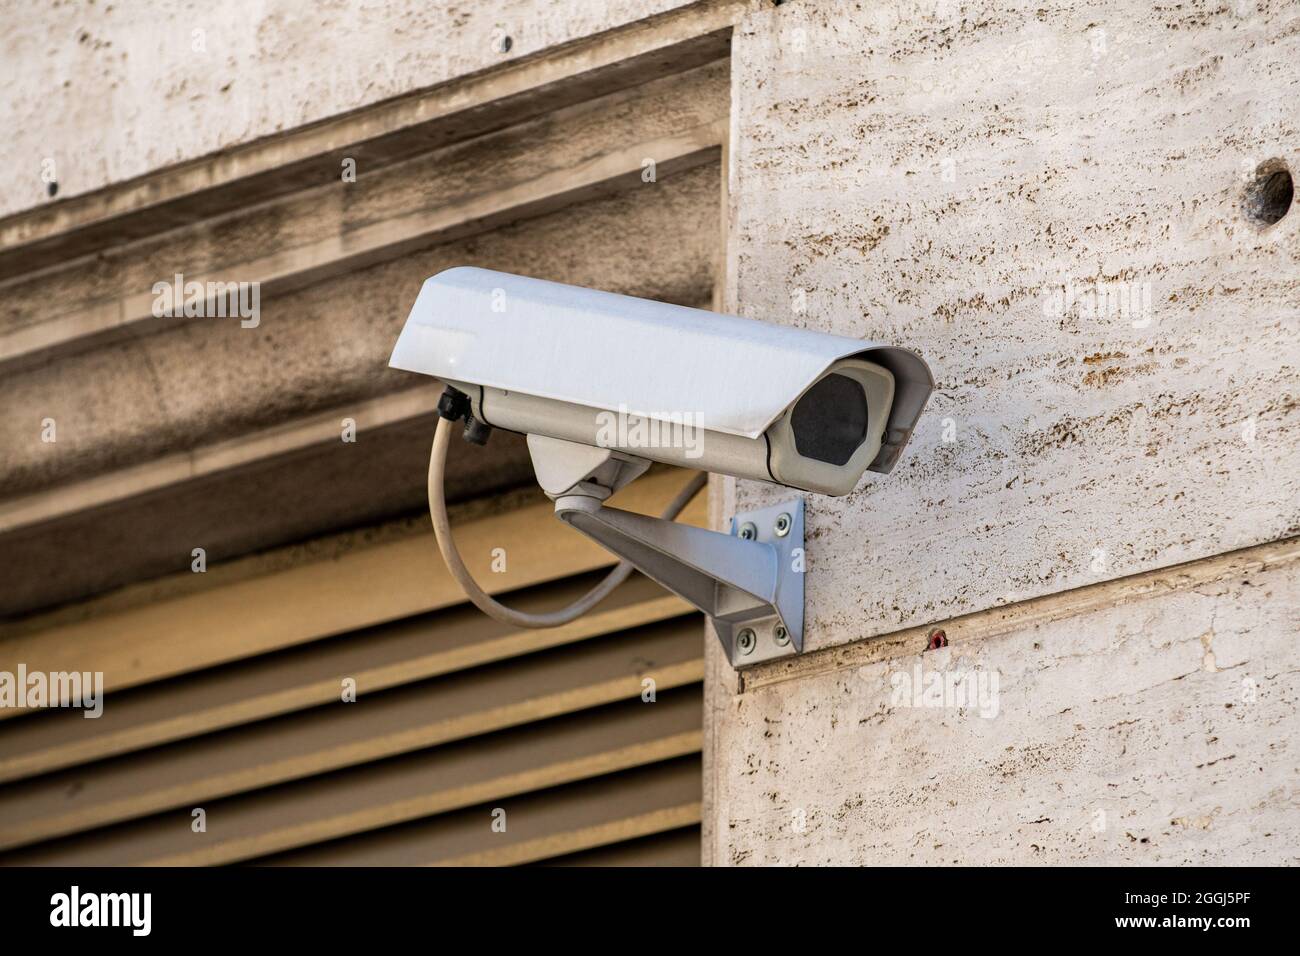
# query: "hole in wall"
1269,194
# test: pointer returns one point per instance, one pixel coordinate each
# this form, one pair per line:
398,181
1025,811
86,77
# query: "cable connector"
477,432
453,405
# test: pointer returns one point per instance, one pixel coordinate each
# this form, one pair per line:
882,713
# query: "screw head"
748,531
746,641
781,636
783,522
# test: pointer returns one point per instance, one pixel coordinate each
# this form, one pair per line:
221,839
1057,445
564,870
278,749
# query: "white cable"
480,598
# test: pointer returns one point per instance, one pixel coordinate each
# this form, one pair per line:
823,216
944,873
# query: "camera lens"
830,420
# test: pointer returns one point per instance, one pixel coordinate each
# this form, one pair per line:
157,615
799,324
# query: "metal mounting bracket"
749,582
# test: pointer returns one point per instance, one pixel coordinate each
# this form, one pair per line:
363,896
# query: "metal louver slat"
333,736
671,848
546,754
538,826
310,675
287,608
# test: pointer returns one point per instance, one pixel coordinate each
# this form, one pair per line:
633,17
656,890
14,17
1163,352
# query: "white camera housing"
663,382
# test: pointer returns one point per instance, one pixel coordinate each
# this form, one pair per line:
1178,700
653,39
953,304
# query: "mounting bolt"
781,635
748,531
783,523
746,641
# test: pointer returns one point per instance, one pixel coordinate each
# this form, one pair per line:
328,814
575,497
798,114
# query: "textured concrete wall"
965,179
1058,449
1162,731
116,90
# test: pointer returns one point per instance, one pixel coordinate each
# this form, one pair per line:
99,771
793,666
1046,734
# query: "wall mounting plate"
779,633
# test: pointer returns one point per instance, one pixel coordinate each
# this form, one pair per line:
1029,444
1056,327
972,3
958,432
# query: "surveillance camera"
666,383
603,384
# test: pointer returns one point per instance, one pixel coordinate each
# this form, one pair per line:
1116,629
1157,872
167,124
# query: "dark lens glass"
830,420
